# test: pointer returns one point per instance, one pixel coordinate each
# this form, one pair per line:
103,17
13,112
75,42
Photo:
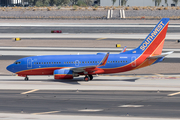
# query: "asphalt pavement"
92,103
151,92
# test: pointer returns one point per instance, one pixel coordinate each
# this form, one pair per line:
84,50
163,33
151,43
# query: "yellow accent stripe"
157,47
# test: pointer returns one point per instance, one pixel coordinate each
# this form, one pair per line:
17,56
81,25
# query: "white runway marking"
50,112
90,110
128,106
174,94
30,91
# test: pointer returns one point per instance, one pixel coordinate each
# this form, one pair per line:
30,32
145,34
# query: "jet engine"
63,74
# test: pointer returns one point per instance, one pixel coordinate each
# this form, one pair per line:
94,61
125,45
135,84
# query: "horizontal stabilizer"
160,56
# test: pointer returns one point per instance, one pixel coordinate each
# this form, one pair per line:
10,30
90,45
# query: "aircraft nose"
10,68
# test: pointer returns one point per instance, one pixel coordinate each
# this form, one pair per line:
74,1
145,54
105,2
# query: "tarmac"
148,93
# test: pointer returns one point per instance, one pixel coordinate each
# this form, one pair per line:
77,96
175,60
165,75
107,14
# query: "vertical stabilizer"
153,44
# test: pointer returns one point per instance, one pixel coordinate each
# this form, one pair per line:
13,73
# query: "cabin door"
77,63
29,63
133,61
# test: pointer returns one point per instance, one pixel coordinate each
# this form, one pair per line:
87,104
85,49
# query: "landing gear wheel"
90,77
86,78
26,78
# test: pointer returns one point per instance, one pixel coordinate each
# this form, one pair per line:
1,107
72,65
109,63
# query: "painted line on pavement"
101,38
50,112
131,106
30,91
173,94
90,110
158,74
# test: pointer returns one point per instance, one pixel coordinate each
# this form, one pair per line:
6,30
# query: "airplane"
69,66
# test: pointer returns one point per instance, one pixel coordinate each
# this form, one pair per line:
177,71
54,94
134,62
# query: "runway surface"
92,103
169,36
118,96
151,92
35,29
82,28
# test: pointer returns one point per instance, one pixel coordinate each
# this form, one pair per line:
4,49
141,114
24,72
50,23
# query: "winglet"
104,60
124,49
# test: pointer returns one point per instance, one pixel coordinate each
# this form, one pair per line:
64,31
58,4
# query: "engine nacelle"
63,74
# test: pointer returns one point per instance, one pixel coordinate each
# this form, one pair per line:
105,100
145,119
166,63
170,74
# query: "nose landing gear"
26,78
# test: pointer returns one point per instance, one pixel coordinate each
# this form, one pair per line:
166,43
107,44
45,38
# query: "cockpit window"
17,63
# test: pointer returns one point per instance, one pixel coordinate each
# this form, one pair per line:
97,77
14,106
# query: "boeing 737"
70,66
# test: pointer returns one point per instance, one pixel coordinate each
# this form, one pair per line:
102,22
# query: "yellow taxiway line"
101,38
30,91
174,94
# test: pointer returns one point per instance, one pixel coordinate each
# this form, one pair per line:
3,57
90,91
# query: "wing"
91,68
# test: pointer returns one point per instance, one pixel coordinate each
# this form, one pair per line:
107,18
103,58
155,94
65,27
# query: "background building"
140,3
13,2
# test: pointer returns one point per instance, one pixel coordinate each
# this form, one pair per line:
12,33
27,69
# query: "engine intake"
63,74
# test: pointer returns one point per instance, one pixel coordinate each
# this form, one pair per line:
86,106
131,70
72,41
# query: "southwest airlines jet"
69,66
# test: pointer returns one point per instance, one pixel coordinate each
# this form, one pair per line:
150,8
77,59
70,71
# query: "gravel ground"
87,14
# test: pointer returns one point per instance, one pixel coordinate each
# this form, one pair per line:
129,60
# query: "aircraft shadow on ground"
71,81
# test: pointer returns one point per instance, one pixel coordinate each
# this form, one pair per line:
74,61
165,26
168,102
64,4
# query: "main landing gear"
88,77
26,78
